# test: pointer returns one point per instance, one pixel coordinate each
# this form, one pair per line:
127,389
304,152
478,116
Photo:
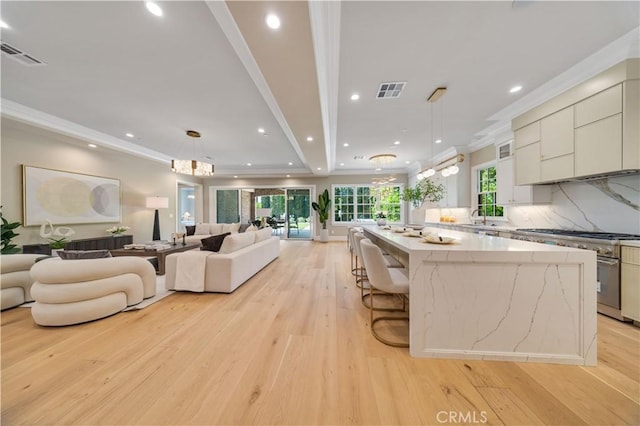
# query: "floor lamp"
157,203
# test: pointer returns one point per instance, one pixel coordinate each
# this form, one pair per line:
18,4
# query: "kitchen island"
494,298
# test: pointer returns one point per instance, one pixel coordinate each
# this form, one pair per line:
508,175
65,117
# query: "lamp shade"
263,212
157,202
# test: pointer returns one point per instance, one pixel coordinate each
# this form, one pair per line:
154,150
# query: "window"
486,193
360,203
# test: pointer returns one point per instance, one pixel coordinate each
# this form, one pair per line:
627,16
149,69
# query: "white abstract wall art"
68,198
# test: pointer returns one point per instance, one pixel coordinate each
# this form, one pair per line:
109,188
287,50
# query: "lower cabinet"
630,277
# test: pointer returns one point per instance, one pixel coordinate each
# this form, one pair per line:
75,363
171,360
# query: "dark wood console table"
99,243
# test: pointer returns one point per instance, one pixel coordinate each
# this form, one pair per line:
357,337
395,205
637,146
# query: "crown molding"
24,114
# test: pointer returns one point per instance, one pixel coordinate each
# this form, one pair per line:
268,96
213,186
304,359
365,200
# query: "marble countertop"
467,242
630,243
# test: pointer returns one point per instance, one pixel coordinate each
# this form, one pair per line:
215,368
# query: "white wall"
139,178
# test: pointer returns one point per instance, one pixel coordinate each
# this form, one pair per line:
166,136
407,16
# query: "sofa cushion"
263,234
251,228
83,254
213,243
202,229
230,227
191,230
235,242
216,228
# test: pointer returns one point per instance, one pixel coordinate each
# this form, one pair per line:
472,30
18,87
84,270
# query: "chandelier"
381,160
192,167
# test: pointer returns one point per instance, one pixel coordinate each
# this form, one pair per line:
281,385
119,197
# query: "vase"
381,222
418,215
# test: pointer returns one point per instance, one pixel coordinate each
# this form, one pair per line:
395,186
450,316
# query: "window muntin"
361,203
486,193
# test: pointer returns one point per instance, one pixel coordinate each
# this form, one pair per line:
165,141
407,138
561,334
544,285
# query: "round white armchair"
80,290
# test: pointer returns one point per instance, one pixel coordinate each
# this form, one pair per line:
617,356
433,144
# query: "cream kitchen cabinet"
599,147
599,133
556,134
630,278
510,193
527,164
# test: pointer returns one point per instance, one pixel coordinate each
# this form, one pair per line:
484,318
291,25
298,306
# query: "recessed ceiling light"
319,168
396,143
248,164
515,89
288,175
273,21
407,162
260,130
345,145
290,163
4,25
342,164
92,145
378,169
438,140
153,8
355,97
309,139
235,176
129,135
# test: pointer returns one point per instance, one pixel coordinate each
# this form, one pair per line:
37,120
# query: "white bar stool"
389,280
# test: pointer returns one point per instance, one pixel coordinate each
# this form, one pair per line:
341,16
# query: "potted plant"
425,190
8,235
323,207
57,244
381,218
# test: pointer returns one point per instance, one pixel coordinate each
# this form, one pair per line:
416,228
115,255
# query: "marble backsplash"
602,205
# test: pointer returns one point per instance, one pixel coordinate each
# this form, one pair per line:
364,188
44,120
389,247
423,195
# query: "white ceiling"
114,68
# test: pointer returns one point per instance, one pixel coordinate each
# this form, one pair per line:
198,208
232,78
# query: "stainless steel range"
606,245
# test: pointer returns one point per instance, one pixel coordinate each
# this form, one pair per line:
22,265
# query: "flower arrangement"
117,230
381,215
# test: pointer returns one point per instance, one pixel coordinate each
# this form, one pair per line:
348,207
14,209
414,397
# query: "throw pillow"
244,227
191,230
216,228
230,227
251,228
83,254
202,229
213,243
235,242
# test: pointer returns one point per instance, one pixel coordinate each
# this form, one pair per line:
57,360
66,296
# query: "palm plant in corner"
323,207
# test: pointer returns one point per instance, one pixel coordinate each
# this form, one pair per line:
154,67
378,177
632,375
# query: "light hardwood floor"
291,346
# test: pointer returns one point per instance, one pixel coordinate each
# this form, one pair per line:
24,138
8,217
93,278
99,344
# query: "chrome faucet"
484,219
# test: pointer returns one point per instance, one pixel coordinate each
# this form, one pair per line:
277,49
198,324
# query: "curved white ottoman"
75,291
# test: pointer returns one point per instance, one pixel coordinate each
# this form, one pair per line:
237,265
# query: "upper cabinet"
508,191
590,130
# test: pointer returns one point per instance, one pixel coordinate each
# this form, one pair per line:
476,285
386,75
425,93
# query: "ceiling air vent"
358,157
9,50
23,58
390,90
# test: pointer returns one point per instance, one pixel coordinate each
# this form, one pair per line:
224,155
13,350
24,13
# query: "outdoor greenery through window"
361,203
487,193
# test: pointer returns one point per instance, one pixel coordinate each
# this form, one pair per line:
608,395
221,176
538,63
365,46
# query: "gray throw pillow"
83,254
213,243
191,230
244,227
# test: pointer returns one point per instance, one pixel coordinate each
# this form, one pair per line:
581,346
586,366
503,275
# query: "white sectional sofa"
240,257
204,230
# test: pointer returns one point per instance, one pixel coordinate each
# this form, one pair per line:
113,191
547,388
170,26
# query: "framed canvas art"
68,198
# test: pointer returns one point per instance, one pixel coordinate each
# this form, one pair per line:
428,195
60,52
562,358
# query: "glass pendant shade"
192,167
